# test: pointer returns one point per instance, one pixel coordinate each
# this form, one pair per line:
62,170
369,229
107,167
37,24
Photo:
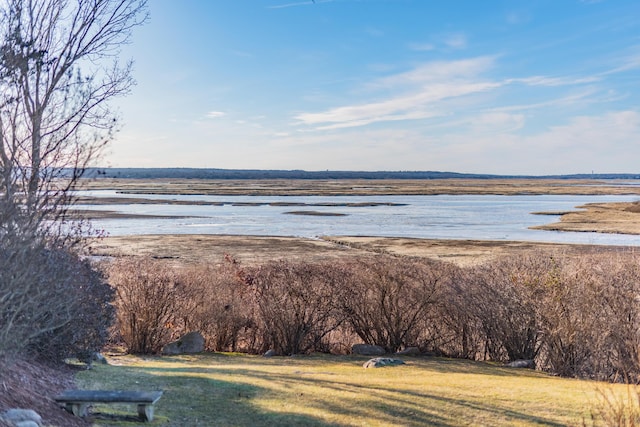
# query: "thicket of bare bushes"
573,316
392,302
146,303
52,303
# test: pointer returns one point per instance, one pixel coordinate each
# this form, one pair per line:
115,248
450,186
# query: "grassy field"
362,187
241,390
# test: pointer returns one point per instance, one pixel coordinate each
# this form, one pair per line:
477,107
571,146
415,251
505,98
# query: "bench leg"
77,409
145,412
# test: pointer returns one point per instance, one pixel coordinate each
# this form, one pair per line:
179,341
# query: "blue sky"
506,87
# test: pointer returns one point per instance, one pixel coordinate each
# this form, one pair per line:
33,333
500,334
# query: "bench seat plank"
77,401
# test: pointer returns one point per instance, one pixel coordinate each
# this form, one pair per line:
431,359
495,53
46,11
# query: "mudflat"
190,249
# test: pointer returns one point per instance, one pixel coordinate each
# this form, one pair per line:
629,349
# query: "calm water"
441,217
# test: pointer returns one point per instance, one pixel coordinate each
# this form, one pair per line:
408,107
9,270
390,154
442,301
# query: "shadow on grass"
396,406
188,400
193,398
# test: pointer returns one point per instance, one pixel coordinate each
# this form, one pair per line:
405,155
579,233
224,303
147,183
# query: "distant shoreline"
216,173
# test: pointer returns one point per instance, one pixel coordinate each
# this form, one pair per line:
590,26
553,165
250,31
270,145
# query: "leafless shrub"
458,333
87,297
574,316
502,297
589,318
295,305
145,303
52,304
389,301
214,300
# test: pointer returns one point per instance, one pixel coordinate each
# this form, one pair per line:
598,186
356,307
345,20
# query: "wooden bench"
77,401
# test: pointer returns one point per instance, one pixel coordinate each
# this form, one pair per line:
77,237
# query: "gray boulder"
367,350
409,351
89,357
193,342
522,364
380,362
270,353
22,417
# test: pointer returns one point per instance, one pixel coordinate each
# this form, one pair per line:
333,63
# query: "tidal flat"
621,218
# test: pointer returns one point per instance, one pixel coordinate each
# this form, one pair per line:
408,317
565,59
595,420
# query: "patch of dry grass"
328,187
319,390
621,218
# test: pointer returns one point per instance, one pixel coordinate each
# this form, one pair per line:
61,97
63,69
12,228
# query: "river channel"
482,217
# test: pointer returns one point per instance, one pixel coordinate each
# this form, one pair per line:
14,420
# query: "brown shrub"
52,304
294,305
214,300
390,301
573,316
590,318
502,299
145,303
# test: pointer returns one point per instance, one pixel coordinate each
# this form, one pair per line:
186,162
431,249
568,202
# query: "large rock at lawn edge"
193,342
380,362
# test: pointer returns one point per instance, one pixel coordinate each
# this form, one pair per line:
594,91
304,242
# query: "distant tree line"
210,173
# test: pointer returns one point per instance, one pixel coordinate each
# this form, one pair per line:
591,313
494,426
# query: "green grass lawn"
320,390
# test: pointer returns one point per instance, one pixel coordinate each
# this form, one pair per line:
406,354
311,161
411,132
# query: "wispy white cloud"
579,144
626,63
215,114
417,92
456,40
439,71
285,5
404,107
555,81
298,3
453,88
573,99
516,18
444,41
496,122
422,47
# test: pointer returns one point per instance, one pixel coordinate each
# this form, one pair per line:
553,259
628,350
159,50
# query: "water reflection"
484,217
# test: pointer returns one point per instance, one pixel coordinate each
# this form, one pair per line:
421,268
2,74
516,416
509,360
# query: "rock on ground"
380,362
411,351
522,364
193,342
22,417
